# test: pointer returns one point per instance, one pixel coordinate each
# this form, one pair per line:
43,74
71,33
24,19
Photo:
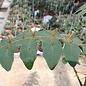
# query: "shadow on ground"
33,79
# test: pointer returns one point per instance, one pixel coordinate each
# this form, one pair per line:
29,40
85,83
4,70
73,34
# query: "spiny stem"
70,35
9,40
25,39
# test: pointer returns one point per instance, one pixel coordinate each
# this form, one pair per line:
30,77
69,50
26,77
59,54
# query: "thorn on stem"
9,40
70,35
50,29
34,33
53,35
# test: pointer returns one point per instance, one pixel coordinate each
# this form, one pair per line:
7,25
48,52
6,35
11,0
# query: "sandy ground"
40,75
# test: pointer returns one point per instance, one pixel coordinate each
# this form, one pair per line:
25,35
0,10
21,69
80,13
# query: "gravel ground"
40,75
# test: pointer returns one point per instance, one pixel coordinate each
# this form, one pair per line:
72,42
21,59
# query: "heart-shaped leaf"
72,52
52,51
6,57
28,52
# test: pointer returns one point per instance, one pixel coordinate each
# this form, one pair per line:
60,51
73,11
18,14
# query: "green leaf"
58,35
6,57
28,52
6,54
19,36
64,60
65,36
72,52
44,33
76,40
4,42
19,39
52,51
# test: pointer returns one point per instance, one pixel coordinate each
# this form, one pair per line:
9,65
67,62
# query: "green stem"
77,77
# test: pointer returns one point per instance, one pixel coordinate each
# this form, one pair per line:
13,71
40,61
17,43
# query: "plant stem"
77,77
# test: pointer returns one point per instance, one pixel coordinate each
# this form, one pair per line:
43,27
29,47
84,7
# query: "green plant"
52,40
81,12
67,32
28,42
